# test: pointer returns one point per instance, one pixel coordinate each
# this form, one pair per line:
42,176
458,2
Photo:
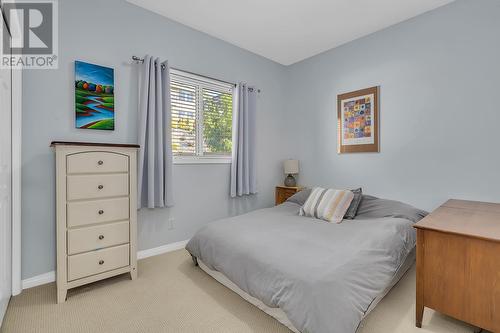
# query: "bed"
311,275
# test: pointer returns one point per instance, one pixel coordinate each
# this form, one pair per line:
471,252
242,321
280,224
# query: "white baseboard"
38,280
49,277
161,249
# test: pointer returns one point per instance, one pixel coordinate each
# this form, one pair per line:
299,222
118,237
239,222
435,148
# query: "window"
202,116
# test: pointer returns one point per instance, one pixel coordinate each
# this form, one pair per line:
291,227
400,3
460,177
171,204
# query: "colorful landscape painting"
94,96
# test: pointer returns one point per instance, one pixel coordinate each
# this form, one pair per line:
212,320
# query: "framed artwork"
357,114
94,96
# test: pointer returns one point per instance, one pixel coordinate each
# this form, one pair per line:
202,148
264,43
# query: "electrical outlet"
171,223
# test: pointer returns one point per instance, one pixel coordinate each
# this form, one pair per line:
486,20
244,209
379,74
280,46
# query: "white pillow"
327,204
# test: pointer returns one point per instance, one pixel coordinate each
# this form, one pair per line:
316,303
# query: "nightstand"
284,192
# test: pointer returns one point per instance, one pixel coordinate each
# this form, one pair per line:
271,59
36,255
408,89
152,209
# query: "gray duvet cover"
324,276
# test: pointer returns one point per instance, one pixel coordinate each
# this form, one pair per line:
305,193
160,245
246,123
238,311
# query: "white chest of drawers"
96,220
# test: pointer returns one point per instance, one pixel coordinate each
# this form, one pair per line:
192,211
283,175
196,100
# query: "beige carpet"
171,295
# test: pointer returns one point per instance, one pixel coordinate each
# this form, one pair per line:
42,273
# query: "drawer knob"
101,262
100,187
101,237
101,212
100,162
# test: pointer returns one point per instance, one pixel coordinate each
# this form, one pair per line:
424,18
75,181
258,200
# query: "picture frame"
94,96
358,121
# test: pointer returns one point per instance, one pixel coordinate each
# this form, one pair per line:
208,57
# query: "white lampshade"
291,167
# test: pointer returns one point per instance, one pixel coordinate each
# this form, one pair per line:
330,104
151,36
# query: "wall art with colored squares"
358,121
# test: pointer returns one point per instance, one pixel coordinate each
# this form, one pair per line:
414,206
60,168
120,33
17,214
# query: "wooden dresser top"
94,144
469,218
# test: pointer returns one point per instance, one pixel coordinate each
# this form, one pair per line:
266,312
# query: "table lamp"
291,167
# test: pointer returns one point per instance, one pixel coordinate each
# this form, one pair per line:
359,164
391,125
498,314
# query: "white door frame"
17,93
16,140
6,184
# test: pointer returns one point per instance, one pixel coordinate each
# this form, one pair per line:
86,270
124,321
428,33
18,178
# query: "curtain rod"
135,58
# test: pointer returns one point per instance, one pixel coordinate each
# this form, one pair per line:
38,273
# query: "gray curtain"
243,169
155,154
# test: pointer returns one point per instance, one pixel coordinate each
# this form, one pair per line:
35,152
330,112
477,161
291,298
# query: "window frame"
201,82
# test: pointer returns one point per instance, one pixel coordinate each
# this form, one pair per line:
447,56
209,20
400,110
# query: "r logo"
30,27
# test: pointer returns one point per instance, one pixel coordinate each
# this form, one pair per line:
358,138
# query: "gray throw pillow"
353,208
373,207
300,198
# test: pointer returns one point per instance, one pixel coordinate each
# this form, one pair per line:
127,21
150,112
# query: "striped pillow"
327,204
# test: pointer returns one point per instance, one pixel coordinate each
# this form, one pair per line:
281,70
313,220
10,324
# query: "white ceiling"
288,31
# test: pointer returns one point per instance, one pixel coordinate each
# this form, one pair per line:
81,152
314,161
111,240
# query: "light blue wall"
439,79
439,113
109,33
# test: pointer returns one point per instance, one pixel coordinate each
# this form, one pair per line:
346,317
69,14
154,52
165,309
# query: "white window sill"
202,160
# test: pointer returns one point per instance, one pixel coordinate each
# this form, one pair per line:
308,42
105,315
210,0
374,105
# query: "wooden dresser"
458,263
284,192
96,213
